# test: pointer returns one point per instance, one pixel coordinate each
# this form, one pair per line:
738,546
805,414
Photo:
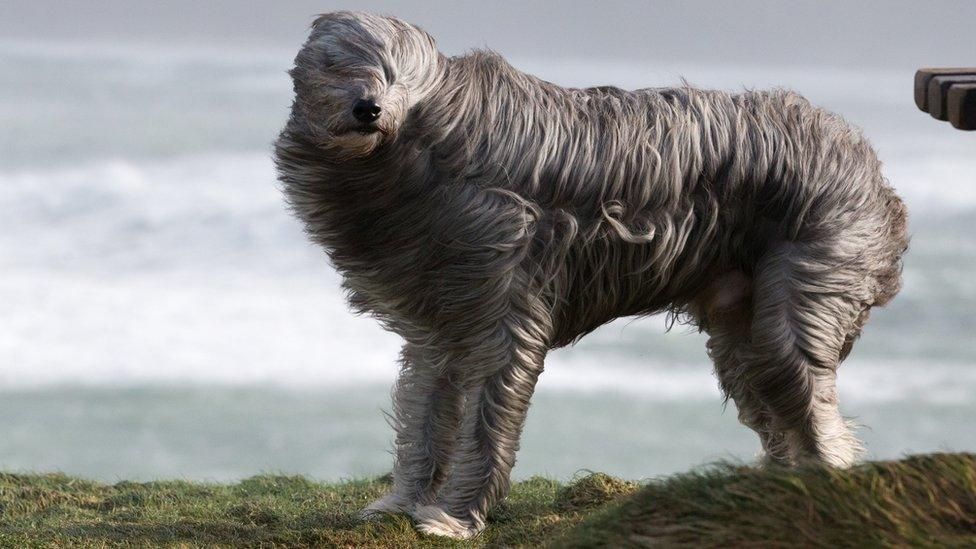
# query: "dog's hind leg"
724,347
505,366
805,305
724,310
427,406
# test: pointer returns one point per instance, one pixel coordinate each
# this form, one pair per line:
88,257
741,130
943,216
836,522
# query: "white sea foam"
860,380
120,214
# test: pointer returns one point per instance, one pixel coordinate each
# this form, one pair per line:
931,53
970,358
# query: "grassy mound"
920,501
923,500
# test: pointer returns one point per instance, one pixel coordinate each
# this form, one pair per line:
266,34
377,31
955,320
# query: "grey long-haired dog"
487,216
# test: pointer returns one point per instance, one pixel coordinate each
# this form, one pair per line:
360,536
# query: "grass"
919,501
57,510
925,500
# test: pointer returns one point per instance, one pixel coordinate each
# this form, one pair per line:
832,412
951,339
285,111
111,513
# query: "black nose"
366,110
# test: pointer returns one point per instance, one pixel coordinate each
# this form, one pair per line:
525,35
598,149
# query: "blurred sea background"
164,317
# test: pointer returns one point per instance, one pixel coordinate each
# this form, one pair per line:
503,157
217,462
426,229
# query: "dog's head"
357,77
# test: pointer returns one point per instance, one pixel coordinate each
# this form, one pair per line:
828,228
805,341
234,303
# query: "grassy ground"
919,501
923,500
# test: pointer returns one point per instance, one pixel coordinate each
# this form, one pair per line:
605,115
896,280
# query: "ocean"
164,316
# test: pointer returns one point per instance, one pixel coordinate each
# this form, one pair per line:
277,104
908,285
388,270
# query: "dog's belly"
723,299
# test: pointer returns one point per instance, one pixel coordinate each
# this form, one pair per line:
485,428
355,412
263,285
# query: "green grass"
57,510
918,501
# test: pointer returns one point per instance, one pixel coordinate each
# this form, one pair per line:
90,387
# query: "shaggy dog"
487,216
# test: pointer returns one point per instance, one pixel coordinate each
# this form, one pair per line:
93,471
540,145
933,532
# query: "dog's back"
642,198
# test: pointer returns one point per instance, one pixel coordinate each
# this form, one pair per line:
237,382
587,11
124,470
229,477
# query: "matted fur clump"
488,216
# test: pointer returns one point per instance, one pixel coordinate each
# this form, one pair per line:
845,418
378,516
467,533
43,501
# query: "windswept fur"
490,216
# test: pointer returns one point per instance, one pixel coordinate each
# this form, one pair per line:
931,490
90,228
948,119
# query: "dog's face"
357,77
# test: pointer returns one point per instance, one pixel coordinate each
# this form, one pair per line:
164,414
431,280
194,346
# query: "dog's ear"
322,22
318,20
430,39
322,18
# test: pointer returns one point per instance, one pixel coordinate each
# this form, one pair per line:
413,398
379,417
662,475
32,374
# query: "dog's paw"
433,520
389,504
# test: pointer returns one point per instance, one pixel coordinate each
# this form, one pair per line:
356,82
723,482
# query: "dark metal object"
962,106
947,94
939,87
922,78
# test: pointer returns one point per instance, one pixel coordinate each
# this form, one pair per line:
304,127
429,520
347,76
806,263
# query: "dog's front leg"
504,369
427,407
